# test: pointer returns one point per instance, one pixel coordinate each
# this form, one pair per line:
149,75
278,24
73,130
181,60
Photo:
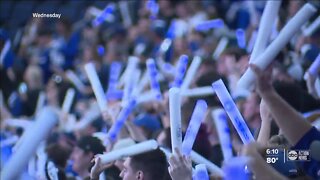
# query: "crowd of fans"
282,111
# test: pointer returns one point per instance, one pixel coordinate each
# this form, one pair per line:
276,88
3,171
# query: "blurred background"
37,55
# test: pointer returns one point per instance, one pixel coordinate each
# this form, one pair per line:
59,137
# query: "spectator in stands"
83,153
58,155
34,84
144,166
298,131
34,54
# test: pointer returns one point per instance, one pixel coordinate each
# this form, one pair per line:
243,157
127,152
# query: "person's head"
33,77
67,140
145,166
293,7
56,90
89,53
63,27
95,126
165,7
144,25
232,58
83,153
58,154
206,80
182,10
57,157
252,109
180,46
147,123
206,66
44,37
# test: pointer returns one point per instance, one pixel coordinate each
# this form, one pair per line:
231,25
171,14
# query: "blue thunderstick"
232,111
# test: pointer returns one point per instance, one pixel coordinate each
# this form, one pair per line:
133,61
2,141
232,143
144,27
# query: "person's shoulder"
304,143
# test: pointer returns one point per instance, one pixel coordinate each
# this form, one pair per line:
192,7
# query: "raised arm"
180,167
265,128
292,124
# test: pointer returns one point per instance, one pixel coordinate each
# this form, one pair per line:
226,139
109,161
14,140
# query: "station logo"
292,155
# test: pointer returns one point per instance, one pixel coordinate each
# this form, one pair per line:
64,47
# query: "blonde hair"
33,75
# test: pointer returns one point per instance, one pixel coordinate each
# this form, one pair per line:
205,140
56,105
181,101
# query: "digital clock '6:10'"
272,151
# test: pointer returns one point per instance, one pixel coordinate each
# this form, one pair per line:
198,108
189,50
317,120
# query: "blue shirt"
312,167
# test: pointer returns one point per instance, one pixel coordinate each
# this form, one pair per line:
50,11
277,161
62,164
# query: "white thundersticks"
175,118
270,13
45,121
275,47
96,86
139,148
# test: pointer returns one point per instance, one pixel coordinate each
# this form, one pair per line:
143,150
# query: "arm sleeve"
312,167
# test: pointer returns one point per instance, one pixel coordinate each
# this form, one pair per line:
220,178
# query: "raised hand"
180,167
266,119
263,81
311,81
98,168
